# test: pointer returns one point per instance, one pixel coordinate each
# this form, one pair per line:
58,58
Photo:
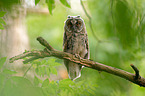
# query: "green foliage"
16,86
9,72
120,26
36,81
49,88
11,85
51,4
2,13
123,17
37,1
45,67
2,22
67,87
2,61
19,86
64,2
8,3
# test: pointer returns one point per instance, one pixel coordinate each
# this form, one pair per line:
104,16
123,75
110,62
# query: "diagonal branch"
50,51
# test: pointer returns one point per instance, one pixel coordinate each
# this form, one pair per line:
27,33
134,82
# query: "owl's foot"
78,56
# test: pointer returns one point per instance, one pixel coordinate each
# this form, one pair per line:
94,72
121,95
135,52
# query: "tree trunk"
14,38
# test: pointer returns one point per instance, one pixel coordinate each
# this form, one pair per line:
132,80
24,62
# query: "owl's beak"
74,24
74,27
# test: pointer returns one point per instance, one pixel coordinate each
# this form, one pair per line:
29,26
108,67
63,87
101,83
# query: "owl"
75,41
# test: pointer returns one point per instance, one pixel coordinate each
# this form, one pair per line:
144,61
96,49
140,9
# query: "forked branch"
50,51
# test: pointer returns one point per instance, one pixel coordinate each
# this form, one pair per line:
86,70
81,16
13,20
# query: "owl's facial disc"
74,24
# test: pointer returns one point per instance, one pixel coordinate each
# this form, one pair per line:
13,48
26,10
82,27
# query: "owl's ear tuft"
78,16
68,16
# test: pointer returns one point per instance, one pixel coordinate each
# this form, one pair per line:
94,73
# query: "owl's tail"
74,70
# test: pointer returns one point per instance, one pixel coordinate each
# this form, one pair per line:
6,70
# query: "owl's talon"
77,56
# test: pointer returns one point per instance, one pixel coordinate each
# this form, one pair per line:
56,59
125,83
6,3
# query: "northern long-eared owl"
75,41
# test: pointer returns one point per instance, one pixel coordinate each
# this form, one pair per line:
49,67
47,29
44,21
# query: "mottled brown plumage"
75,41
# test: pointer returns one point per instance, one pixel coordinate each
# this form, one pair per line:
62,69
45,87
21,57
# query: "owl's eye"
69,24
78,23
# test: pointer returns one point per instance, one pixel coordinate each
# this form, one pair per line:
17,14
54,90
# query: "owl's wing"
87,47
66,39
65,48
65,42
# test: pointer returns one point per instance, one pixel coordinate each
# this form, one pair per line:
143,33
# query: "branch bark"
50,51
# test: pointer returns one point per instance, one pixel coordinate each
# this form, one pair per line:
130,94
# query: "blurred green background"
119,26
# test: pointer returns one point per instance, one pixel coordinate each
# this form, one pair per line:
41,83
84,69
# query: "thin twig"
136,71
90,21
27,70
31,59
114,26
44,43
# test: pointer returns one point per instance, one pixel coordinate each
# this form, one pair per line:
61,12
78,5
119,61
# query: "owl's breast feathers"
76,43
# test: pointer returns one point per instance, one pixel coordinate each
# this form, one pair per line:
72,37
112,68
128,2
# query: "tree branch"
50,51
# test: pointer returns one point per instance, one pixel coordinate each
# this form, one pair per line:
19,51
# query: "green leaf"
51,5
57,64
37,71
50,89
53,70
36,81
2,13
2,61
7,71
42,70
43,62
37,62
45,83
1,26
65,2
51,62
66,84
26,51
48,71
2,21
45,67
37,1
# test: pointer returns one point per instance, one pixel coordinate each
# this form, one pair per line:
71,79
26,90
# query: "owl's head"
74,24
